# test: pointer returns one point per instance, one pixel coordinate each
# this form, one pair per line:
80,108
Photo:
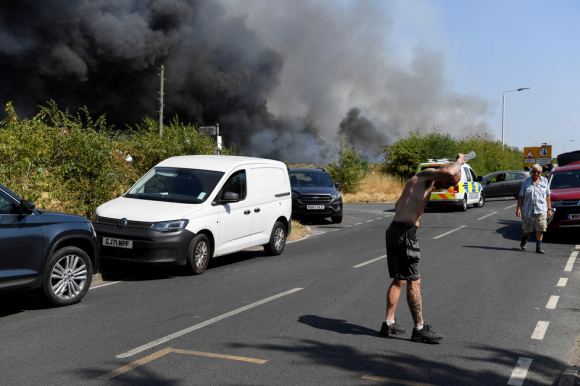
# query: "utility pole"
161,103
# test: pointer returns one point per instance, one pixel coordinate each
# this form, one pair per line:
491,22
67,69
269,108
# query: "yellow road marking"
207,354
160,353
395,381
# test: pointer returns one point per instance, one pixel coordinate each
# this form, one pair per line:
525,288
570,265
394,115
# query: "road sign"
207,130
537,155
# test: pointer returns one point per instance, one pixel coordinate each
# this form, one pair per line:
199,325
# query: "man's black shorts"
403,252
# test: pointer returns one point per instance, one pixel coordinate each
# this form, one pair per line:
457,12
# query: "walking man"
535,207
403,248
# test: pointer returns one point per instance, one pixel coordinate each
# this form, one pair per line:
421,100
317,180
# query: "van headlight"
169,226
556,203
95,218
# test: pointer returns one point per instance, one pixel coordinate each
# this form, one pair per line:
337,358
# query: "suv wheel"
67,276
481,201
277,240
198,255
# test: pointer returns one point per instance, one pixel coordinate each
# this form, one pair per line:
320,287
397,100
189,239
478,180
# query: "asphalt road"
311,316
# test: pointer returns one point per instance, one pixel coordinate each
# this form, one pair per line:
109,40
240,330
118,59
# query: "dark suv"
49,251
314,194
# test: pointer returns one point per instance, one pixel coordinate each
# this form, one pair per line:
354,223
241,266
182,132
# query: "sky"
284,79
494,46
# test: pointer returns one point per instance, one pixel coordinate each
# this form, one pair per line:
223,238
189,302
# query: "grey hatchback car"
504,184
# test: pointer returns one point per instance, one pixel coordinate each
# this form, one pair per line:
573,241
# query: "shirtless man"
403,248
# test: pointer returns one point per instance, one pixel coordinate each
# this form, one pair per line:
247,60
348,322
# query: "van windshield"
188,186
565,179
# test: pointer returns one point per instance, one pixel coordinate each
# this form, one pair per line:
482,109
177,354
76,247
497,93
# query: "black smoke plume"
282,78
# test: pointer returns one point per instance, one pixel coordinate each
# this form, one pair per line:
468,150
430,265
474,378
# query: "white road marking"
540,330
370,261
104,285
358,223
562,282
369,220
571,261
378,218
487,215
445,234
511,206
520,371
552,302
203,324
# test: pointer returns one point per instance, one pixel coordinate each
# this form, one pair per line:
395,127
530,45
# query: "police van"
468,190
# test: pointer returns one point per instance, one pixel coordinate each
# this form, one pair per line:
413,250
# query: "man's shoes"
540,250
426,335
393,329
524,244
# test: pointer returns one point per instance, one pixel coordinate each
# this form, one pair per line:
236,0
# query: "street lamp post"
503,112
570,140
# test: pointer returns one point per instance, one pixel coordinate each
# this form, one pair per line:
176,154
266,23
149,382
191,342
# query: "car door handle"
257,210
247,211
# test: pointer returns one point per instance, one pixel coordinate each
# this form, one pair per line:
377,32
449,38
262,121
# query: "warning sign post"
537,155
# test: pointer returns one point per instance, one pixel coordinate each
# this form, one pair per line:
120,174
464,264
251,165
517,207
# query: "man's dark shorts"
403,252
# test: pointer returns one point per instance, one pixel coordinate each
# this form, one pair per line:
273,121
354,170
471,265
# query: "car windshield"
310,179
187,186
565,179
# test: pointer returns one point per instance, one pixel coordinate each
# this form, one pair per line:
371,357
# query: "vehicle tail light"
456,189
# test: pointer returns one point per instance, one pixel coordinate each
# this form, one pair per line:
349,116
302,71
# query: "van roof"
220,163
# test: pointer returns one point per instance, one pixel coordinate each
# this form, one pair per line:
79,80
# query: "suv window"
467,174
565,179
6,204
473,174
310,179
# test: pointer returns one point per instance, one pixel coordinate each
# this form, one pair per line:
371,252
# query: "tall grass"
377,187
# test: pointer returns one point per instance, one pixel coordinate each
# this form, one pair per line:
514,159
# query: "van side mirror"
229,198
337,184
26,207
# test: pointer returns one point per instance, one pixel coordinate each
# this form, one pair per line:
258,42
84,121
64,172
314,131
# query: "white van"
188,209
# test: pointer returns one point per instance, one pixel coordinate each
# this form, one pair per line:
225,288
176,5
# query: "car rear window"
565,179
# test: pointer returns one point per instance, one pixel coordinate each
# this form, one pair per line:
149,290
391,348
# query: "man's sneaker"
540,250
523,244
426,335
393,329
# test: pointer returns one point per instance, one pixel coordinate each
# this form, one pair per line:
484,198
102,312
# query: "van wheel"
277,240
481,201
464,204
198,255
68,276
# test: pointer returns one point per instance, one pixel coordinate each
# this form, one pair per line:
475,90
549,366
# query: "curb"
569,376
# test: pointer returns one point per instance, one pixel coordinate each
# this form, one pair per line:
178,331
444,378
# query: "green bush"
73,163
350,169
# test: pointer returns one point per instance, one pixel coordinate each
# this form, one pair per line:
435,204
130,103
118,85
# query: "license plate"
575,216
315,207
117,243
